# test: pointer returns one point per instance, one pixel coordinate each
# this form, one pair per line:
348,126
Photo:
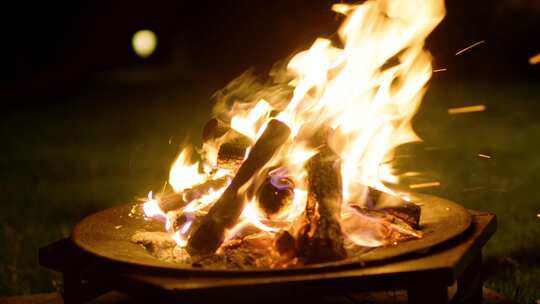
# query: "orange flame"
366,89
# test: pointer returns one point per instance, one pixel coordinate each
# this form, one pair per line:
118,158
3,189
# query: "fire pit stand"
426,276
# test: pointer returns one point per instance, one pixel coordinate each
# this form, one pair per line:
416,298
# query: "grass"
109,145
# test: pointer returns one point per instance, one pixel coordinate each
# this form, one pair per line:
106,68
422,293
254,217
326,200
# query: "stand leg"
470,283
428,294
79,291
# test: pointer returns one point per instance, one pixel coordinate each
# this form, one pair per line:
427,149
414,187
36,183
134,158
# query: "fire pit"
425,275
293,181
108,234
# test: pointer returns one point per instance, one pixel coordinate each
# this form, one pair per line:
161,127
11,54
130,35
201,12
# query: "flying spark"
469,109
484,155
470,47
424,185
439,70
534,59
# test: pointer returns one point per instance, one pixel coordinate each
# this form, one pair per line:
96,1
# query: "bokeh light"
144,43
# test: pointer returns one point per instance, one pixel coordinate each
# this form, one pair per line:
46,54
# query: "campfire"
295,171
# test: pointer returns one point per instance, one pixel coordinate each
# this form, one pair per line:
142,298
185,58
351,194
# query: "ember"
285,181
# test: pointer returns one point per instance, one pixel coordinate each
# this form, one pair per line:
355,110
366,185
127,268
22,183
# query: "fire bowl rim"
104,235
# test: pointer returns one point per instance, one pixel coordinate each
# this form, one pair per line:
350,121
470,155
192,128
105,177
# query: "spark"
538,215
473,189
484,155
470,47
424,185
534,59
469,109
439,70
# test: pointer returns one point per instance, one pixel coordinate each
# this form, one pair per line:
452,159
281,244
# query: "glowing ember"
346,107
424,185
534,59
470,47
468,109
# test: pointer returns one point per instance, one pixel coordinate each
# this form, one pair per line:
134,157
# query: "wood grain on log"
227,209
321,240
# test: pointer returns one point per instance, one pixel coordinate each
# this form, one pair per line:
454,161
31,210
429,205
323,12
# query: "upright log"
321,239
226,211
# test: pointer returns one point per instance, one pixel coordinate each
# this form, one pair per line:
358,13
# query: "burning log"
214,128
392,228
275,194
176,201
285,244
394,205
234,145
232,154
226,211
408,212
321,239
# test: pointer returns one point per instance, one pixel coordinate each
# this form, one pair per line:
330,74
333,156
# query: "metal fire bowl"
107,234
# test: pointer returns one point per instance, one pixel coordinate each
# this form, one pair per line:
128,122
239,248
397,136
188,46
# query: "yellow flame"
364,90
248,123
151,208
252,216
204,201
184,174
368,102
179,239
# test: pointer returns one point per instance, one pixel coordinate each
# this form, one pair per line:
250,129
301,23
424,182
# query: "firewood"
174,201
285,244
214,128
394,205
233,145
274,195
227,209
321,239
396,229
232,154
171,201
408,212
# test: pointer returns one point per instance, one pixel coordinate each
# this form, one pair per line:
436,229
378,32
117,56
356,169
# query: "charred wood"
232,154
396,229
274,195
408,212
321,239
227,209
214,128
394,205
174,201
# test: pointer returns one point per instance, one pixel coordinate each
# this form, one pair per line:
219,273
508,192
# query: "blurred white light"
144,43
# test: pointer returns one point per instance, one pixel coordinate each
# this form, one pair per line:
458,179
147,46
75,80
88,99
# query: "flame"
184,174
204,201
364,89
368,105
249,123
253,217
179,239
151,209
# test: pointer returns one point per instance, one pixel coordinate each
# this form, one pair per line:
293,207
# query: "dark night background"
87,124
